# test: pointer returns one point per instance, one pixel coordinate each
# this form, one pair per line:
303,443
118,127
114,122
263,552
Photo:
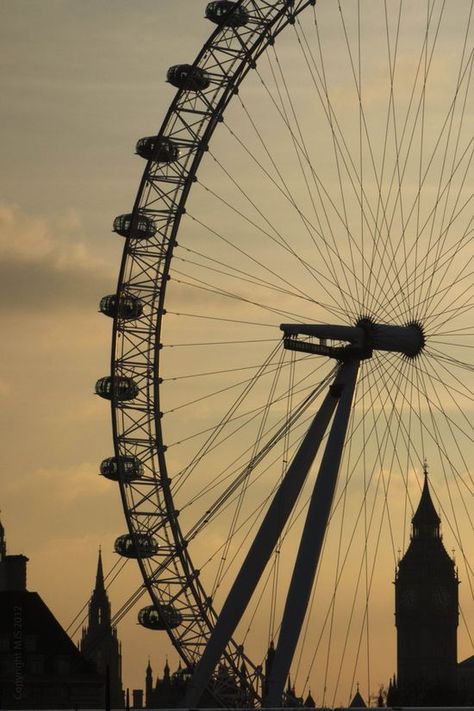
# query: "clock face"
440,597
408,598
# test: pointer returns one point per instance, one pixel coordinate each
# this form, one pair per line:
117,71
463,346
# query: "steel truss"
398,293
170,577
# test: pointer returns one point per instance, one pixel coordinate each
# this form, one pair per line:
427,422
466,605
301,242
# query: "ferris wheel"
292,337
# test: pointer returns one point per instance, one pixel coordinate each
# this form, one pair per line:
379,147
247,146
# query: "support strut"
269,532
311,542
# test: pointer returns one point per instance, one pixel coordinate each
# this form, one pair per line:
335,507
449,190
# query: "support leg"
311,542
263,545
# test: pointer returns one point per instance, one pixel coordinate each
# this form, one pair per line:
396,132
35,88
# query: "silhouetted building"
99,641
168,691
290,698
426,615
357,702
40,667
149,684
137,696
309,701
466,681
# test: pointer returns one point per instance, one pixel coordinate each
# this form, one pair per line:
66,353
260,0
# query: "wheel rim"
423,279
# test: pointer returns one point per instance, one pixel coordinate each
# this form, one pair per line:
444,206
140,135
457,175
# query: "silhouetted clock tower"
426,614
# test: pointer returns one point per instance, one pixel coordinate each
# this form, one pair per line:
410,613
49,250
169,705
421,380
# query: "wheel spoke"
314,168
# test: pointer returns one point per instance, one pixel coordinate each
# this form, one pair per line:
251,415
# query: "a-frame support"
340,396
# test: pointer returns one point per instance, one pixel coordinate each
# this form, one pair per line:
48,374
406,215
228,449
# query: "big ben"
426,613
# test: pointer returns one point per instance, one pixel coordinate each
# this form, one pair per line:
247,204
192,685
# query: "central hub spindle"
360,340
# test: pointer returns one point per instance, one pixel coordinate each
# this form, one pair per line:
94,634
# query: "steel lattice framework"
169,576
361,247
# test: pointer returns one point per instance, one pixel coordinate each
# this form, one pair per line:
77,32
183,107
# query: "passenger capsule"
126,306
141,228
145,548
161,149
226,13
168,617
122,468
119,387
185,76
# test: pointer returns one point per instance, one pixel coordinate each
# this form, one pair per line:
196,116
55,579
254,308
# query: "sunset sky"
80,83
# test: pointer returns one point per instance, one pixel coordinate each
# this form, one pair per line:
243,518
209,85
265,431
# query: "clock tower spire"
426,613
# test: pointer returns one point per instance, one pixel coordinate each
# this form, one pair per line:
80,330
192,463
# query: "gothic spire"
99,578
99,606
99,641
426,521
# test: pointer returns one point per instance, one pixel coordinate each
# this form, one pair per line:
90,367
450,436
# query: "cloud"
65,485
45,265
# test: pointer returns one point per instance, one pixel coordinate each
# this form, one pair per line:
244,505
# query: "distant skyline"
81,82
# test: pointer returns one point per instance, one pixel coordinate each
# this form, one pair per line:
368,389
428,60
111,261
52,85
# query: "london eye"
293,335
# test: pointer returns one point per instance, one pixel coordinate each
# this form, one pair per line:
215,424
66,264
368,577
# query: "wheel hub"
360,340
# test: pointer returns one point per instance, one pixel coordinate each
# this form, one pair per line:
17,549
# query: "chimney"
13,572
137,698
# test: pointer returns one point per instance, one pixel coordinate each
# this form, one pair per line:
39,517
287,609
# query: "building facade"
40,666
